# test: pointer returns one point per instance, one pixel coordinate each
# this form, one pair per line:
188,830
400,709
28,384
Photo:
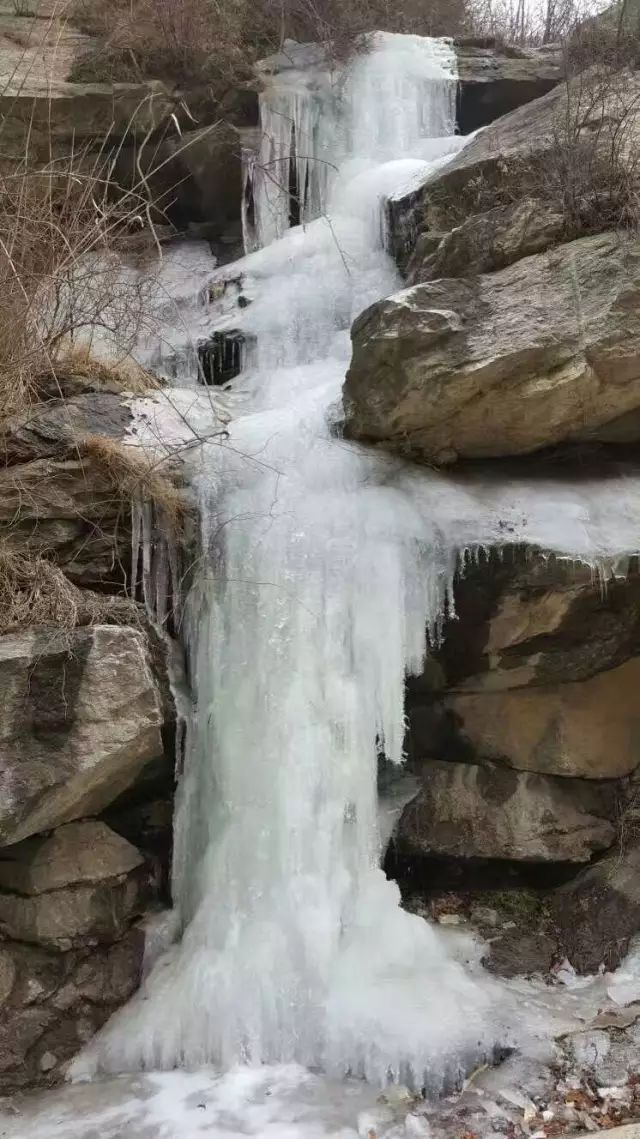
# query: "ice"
322,567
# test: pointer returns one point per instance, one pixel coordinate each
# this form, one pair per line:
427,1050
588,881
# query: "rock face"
45,429
495,79
56,502
52,1004
523,729
69,956
545,352
38,102
496,166
470,811
81,719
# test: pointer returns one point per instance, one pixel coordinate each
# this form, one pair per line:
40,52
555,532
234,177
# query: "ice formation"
322,567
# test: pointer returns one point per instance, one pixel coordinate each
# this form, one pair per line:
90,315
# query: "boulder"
82,718
52,1003
496,164
543,353
88,914
488,812
82,852
588,729
598,912
495,78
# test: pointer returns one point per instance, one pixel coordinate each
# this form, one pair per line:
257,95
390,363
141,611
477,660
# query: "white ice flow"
323,565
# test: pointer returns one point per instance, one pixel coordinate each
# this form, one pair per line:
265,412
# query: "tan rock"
83,852
588,729
82,715
545,352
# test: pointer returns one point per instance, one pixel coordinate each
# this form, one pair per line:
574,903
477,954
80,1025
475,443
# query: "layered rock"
69,956
542,353
54,500
495,79
524,734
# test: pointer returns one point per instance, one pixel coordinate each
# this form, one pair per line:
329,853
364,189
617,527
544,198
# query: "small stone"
611,1075
48,1062
450,919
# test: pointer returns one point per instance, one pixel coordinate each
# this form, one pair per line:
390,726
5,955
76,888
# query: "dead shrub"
137,476
76,369
35,592
215,42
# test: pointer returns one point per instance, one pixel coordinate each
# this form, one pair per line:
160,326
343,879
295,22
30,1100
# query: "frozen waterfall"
322,567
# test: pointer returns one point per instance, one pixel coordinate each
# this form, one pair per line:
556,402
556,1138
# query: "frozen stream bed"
577,1025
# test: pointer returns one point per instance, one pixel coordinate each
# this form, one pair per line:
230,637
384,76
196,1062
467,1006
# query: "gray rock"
67,509
545,352
57,1001
76,915
486,812
495,156
82,715
47,429
486,242
83,852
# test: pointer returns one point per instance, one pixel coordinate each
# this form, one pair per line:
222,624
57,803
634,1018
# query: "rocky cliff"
515,335
516,339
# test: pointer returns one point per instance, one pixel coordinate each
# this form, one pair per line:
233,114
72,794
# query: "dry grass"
136,476
77,368
34,592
